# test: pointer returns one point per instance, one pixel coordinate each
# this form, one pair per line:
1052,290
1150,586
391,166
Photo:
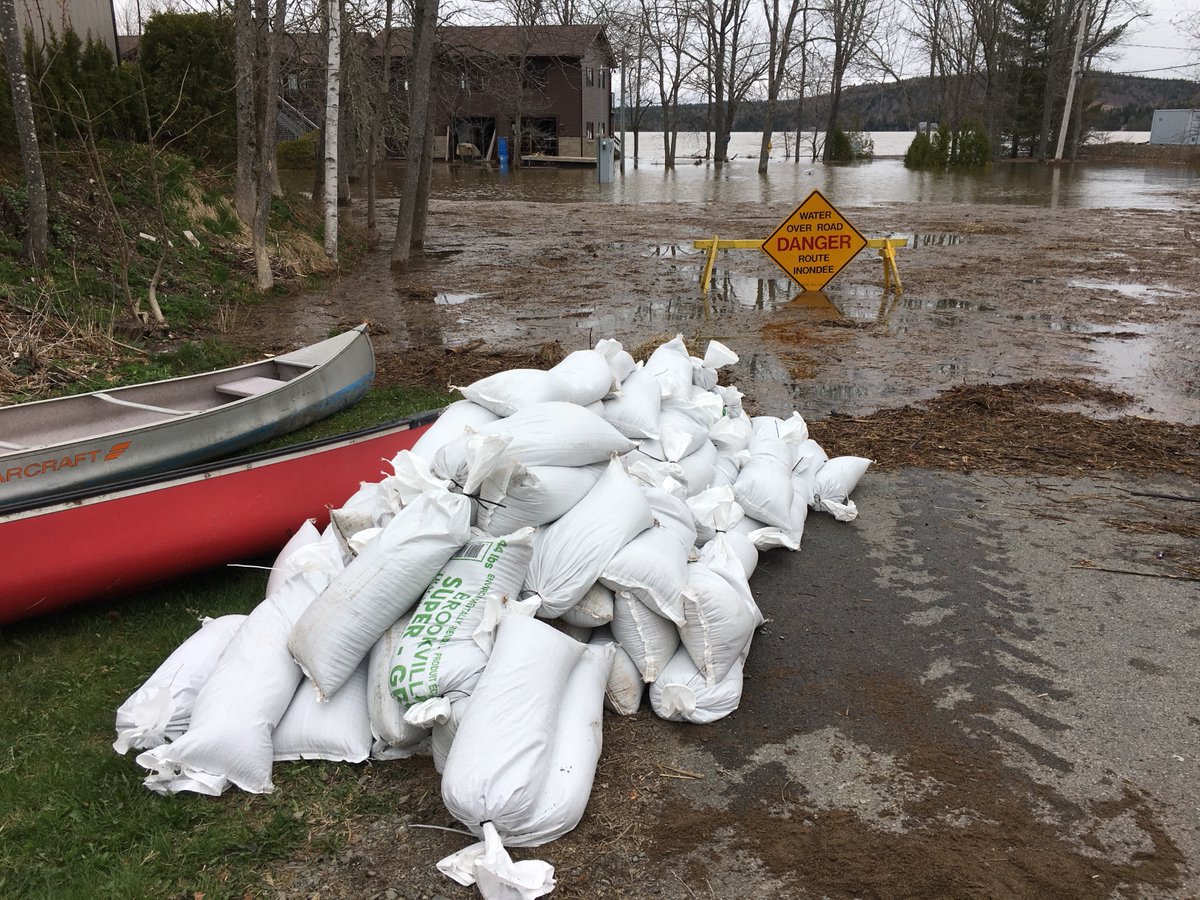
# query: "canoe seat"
249,387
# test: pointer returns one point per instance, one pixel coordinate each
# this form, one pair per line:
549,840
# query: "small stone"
390,894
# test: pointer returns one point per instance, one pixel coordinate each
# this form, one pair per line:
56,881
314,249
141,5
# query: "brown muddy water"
997,287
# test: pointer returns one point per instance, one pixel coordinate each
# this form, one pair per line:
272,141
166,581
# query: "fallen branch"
1159,496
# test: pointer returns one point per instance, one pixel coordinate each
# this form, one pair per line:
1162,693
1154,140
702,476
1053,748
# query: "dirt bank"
958,694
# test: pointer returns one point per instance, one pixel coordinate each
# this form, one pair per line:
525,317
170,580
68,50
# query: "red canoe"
148,531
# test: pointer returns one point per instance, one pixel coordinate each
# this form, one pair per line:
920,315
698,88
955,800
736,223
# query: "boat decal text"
59,463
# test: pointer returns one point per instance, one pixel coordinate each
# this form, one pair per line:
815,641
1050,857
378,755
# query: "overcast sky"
1155,43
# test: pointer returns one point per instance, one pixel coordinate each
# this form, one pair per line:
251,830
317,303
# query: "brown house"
547,88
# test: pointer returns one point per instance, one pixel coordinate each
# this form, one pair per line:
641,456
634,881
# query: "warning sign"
814,243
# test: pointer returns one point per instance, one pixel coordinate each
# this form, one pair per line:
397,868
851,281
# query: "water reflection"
1079,184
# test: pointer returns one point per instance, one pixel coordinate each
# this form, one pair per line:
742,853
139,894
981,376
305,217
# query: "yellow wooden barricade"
886,247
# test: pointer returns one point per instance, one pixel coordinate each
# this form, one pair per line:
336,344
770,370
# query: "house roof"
557,41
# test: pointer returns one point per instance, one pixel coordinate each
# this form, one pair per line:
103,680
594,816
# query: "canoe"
67,443
147,531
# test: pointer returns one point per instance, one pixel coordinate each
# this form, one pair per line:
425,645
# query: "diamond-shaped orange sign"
814,243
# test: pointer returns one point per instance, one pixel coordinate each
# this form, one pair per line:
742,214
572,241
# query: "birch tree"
37,215
332,91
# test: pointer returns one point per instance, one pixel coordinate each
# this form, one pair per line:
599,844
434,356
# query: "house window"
293,82
591,131
589,76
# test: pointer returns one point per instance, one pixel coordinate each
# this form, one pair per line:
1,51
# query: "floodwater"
852,349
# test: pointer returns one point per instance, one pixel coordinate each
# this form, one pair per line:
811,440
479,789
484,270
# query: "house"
547,88
94,18
1175,126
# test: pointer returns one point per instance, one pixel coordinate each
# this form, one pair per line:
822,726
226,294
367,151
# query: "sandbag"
281,571
635,413
445,728
625,688
727,468
764,484
381,584
672,368
793,430
810,457
501,755
731,544
696,404
653,568
833,484
535,496
672,513
587,375
714,510
720,618
768,537
437,653
681,693
699,468
455,422
576,750
731,434
593,610
338,731
618,358
394,737
558,434
514,389
571,553
647,637
161,709
678,437
239,706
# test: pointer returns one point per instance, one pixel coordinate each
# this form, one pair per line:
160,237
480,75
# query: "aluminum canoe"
147,531
49,447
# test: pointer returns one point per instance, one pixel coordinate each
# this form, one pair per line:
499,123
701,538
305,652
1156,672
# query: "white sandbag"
624,689
437,652
501,755
731,434
161,709
699,468
455,422
703,378
382,583
672,513
810,457
618,358
695,403
717,356
239,706
488,865
793,429
768,537
445,728
647,637
593,610
733,544
764,484
535,496
681,693
635,413
581,633
679,436
587,375
727,468
558,434
834,483
338,731
394,737
720,618
411,477
671,366
507,392
577,744
571,553
714,510
281,571
732,398
653,568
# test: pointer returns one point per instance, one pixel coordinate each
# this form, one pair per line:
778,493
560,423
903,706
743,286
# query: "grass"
74,817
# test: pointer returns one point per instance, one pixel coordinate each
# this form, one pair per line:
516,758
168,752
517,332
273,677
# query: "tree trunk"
37,215
334,68
424,25
375,139
245,52
266,148
421,212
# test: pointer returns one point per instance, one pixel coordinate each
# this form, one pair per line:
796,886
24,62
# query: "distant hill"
1119,102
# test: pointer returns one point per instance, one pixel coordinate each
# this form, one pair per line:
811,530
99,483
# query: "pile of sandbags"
552,544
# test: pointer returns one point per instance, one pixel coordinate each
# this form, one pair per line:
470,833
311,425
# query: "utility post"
1062,132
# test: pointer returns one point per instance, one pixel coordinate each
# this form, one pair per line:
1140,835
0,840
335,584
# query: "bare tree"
667,27
732,61
37,212
245,58
332,93
381,97
266,139
780,43
421,78
851,25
